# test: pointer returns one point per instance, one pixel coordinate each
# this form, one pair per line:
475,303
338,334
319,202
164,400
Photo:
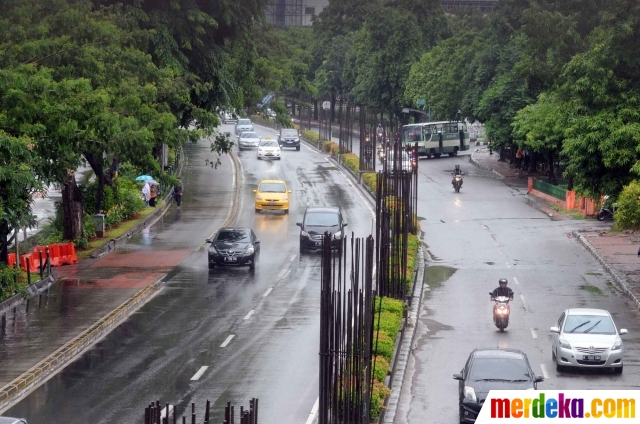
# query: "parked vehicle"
234,247
492,369
587,338
243,125
317,221
501,312
606,211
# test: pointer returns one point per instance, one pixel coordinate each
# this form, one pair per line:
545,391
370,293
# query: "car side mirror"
623,331
257,242
299,224
209,241
457,377
554,330
344,224
255,191
539,379
289,191
490,294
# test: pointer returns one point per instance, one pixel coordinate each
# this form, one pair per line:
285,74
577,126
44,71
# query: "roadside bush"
371,180
385,345
8,278
379,393
331,147
627,215
90,195
351,161
380,367
311,136
389,305
388,322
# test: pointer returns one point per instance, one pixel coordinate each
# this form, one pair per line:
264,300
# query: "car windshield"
289,133
249,135
272,188
499,369
269,143
321,219
234,235
244,122
590,324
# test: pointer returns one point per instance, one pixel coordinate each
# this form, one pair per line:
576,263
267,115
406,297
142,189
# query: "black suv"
492,369
289,137
317,221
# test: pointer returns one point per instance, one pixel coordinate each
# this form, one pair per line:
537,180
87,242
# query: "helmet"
502,281
457,166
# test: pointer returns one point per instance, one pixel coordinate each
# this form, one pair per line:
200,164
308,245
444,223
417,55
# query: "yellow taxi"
272,195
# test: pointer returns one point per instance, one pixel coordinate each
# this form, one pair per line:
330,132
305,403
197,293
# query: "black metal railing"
156,413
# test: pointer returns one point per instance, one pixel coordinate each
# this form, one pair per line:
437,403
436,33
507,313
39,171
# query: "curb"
485,167
389,415
620,281
33,290
61,357
113,244
48,367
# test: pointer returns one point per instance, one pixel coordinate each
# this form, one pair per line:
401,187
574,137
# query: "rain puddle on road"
435,275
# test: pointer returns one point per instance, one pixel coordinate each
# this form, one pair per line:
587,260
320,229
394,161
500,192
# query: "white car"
587,338
268,149
248,140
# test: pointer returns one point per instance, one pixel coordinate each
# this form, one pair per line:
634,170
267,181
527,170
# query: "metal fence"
550,189
396,207
346,331
156,413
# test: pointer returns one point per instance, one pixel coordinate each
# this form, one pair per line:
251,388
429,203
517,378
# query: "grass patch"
123,228
592,289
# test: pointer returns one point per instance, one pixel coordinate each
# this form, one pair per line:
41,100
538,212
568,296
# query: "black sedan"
234,247
492,369
317,221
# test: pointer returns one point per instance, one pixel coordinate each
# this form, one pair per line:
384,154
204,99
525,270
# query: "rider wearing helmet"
503,290
457,171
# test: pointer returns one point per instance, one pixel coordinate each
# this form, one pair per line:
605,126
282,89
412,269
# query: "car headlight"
297,139
470,394
250,250
304,234
212,249
564,344
258,197
617,345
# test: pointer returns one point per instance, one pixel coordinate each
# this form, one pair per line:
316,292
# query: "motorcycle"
607,212
501,311
382,154
457,182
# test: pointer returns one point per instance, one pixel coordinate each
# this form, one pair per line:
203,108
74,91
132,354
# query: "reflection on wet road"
257,332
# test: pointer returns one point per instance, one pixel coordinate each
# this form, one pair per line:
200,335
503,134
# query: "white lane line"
267,292
227,341
164,411
282,273
545,373
516,280
197,375
314,411
293,258
249,314
523,304
534,334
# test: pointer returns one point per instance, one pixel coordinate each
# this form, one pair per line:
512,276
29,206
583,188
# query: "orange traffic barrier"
54,255
34,264
12,259
68,254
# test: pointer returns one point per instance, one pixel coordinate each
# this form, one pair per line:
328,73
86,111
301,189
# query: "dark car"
492,369
289,138
234,247
317,221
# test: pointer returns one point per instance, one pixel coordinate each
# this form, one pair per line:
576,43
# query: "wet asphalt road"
267,321
474,238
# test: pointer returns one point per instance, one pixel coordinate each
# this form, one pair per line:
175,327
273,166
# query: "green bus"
436,138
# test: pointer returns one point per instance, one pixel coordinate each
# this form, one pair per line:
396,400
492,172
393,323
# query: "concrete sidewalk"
89,291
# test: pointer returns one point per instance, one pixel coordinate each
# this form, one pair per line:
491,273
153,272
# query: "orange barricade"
54,255
68,254
33,263
12,259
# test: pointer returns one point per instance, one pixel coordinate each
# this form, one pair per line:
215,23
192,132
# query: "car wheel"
257,210
252,267
301,249
259,158
618,370
297,148
279,158
286,211
460,414
553,355
211,266
559,367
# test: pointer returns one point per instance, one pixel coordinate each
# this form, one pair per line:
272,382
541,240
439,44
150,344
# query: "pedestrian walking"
519,158
177,192
153,195
146,193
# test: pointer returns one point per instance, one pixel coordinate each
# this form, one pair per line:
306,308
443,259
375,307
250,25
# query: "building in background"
289,13
486,6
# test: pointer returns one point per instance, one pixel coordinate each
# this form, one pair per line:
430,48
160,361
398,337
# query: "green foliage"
371,180
379,393
8,281
380,367
351,161
311,136
627,215
384,345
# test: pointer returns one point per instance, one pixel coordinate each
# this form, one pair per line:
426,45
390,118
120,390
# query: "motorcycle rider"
502,290
456,171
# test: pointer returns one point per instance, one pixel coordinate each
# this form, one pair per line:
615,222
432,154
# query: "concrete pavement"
93,288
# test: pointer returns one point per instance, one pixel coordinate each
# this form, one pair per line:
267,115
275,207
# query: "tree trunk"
570,183
333,107
315,109
552,172
72,210
503,154
103,178
4,242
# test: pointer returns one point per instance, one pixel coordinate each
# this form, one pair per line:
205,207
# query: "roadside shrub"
389,322
331,147
380,367
390,305
90,196
371,180
311,136
351,161
132,203
8,278
627,215
385,345
379,393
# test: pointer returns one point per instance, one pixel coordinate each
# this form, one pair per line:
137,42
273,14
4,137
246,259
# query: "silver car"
248,140
587,338
243,125
8,420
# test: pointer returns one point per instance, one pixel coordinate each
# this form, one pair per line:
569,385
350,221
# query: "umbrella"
152,182
144,178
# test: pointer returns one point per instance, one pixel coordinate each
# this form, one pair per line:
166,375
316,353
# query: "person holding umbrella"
146,193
